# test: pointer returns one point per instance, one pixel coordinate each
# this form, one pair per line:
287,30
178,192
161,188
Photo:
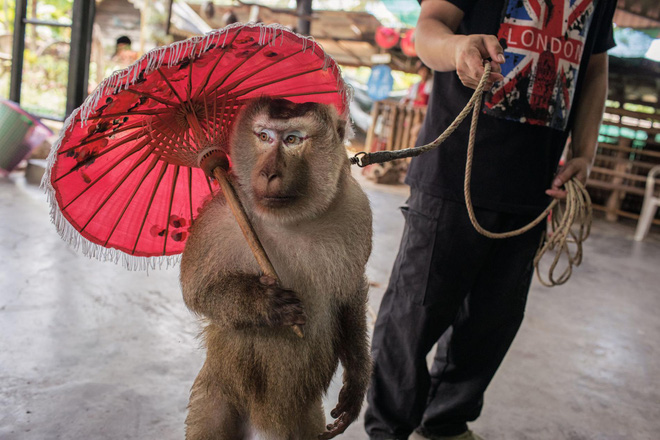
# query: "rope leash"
577,207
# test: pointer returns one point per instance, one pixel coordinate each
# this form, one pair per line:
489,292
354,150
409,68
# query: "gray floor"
91,351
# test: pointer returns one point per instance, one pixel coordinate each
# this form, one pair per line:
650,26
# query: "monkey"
292,175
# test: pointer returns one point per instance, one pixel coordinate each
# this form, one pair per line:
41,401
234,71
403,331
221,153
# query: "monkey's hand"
283,307
346,411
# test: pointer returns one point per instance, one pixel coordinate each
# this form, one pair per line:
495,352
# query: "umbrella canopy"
125,173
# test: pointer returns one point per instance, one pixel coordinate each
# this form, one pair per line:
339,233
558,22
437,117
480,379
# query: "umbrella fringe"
94,251
195,47
123,79
79,243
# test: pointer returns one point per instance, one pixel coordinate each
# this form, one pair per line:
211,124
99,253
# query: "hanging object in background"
229,18
380,82
208,8
408,43
126,176
386,38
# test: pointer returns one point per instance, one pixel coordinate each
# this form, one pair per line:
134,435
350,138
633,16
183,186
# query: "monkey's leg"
353,351
212,417
312,423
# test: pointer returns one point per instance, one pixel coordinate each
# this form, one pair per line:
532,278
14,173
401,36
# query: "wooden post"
18,50
400,121
168,25
613,204
370,133
407,126
82,24
391,125
304,12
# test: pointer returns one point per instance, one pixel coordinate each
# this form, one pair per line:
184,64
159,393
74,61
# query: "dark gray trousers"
453,286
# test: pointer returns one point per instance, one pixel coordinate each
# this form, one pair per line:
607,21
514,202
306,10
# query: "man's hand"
469,56
584,135
440,48
578,167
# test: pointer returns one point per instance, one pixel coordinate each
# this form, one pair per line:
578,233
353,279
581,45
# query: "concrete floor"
91,351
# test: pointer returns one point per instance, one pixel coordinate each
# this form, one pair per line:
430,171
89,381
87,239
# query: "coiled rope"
577,206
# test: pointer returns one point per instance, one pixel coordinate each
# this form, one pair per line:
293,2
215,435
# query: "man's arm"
442,50
584,136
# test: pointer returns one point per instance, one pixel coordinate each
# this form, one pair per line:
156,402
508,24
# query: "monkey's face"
288,158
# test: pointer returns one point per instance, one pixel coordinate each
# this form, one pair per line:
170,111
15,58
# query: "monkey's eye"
293,138
264,135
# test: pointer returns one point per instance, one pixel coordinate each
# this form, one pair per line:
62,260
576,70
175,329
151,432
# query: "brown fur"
314,222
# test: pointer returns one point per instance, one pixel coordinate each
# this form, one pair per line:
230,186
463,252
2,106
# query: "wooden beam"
18,51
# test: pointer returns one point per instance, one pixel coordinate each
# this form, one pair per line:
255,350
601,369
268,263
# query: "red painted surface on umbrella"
126,174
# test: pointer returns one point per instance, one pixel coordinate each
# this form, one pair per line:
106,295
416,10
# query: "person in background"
418,94
449,284
123,56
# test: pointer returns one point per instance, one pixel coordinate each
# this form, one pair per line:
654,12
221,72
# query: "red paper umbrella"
125,175
408,43
386,37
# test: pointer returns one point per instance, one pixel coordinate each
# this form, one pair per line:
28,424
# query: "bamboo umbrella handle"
247,229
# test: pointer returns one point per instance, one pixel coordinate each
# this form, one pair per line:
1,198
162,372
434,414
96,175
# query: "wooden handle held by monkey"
247,229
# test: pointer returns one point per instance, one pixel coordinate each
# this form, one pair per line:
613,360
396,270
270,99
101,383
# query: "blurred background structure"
53,53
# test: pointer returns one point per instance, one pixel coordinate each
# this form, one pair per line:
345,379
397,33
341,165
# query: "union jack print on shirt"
543,41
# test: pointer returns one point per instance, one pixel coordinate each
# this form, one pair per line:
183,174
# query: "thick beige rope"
578,203
578,208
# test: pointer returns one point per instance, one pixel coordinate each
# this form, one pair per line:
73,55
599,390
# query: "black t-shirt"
527,117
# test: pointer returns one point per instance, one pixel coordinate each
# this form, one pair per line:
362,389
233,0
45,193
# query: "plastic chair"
651,204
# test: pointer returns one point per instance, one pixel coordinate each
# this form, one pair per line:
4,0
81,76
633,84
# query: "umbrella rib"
190,194
238,82
221,81
207,120
126,156
215,112
253,88
121,182
151,200
171,138
128,203
211,70
169,84
189,91
169,210
102,153
131,137
131,113
150,96
224,115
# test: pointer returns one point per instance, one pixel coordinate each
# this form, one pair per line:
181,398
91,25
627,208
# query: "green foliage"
46,56
7,14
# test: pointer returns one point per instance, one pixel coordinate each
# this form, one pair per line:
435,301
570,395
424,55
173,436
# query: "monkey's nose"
270,175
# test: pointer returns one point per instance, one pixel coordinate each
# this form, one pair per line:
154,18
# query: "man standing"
449,284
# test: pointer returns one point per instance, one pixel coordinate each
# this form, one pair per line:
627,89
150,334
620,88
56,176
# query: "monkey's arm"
241,300
353,349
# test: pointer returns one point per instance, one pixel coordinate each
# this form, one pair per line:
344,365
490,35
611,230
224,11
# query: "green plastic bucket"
20,133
